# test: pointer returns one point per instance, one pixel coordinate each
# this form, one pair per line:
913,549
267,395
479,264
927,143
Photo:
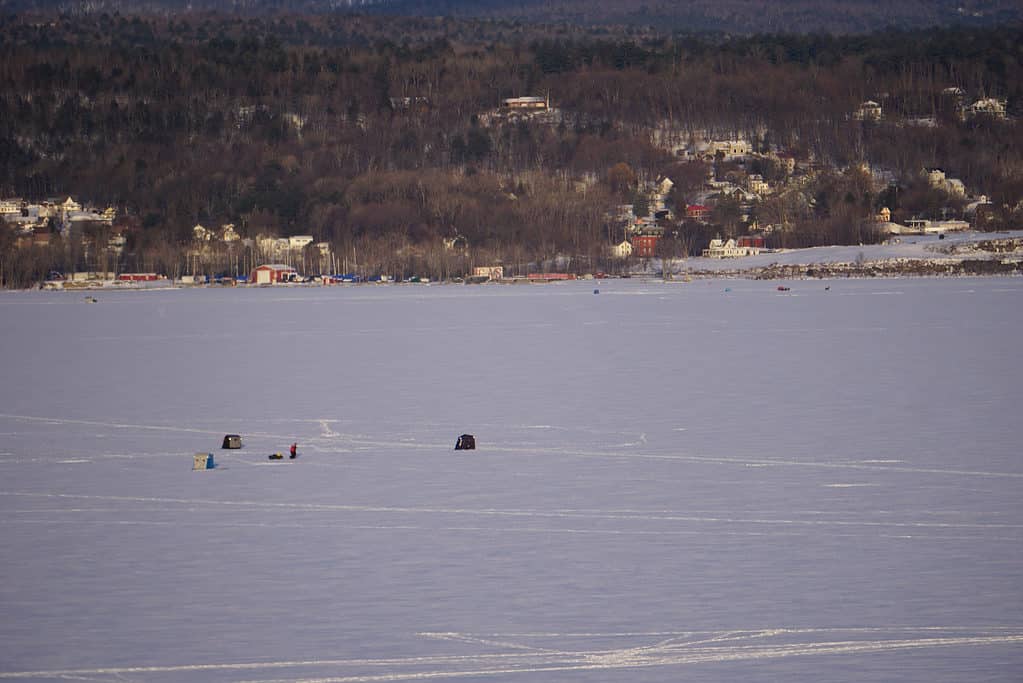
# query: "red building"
755,241
268,274
644,245
697,211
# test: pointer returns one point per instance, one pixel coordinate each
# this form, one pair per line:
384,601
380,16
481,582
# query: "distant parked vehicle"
232,441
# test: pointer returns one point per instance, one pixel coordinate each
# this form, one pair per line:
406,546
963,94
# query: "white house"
729,249
731,150
228,233
937,179
756,184
868,111
70,205
526,103
955,187
621,251
987,107
201,234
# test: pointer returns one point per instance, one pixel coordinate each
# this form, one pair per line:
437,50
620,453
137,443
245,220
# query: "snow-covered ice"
671,482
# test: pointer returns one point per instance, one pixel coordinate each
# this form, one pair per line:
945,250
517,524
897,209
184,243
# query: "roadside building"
268,274
488,272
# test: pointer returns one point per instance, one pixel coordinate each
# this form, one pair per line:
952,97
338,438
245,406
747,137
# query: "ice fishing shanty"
203,461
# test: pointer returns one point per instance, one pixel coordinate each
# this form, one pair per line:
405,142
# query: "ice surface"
671,482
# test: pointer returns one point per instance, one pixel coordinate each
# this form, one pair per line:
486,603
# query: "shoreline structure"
973,254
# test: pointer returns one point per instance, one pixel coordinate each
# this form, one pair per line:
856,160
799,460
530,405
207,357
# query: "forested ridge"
736,17
378,134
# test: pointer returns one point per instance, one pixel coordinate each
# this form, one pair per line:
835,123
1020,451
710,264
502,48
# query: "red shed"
267,274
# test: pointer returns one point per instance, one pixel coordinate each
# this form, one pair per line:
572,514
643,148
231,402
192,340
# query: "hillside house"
729,150
989,107
937,179
868,111
69,205
697,212
416,104
756,184
228,234
645,246
531,103
456,243
620,251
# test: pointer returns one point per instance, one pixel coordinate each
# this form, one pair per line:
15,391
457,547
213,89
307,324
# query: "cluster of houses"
34,223
985,107
267,247
642,233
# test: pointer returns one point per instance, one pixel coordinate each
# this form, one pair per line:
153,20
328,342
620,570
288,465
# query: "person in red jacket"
294,449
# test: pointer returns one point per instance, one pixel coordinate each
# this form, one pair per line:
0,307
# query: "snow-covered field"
949,248
672,482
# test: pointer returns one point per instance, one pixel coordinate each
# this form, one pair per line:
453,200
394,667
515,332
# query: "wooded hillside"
380,134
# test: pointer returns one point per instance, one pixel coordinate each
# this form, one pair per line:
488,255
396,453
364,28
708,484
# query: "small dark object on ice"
232,441
466,442
276,456
596,291
783,288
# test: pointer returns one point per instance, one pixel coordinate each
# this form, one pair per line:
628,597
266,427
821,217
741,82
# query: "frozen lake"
672,482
